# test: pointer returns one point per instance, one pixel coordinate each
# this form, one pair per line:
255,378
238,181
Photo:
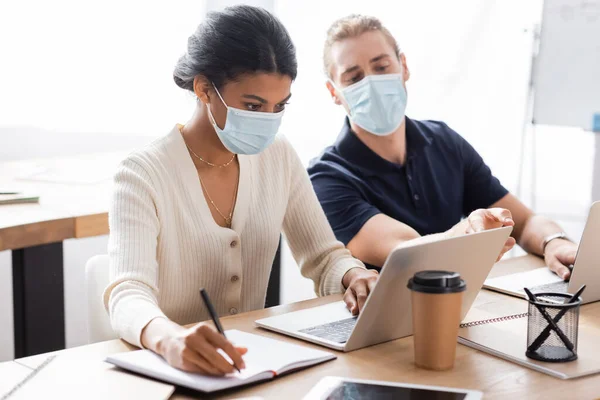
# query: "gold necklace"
229,218
202,159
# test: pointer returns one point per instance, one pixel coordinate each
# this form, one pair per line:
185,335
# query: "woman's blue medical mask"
377,103
247,132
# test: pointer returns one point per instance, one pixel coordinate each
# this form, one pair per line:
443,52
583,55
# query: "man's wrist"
459,229
554,244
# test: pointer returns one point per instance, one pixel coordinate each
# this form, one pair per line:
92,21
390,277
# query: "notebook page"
266,354
520,280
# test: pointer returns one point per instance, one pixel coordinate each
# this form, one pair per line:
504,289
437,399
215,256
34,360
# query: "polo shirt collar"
356,152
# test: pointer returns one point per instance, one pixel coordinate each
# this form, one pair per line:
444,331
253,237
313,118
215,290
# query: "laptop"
386,314
586,269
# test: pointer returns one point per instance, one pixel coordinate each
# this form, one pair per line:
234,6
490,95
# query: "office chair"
96,280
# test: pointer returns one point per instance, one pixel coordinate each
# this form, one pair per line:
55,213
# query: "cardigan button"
233,311
235,278
233,244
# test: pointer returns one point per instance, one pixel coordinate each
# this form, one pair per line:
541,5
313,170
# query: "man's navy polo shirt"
442,180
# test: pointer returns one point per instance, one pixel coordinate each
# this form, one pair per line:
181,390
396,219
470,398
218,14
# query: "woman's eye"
381,68
253,107
281,107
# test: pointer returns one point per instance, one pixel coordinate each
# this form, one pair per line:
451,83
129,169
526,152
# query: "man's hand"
559,255
491,218
358,283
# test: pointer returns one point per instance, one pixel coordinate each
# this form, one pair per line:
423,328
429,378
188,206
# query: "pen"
214,316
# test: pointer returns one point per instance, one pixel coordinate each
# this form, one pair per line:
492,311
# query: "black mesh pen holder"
552,328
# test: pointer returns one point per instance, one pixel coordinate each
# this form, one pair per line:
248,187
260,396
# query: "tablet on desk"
336,388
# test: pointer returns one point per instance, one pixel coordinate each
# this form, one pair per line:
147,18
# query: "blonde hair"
352,26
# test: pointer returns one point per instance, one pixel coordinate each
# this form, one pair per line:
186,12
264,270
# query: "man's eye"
355,79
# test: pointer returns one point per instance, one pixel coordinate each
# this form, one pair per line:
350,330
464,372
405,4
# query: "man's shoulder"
436,130
330,163
329,159
440,135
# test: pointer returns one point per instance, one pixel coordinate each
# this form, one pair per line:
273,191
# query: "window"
94,66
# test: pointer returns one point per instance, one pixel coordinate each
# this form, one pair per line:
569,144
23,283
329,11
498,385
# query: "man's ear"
405,70
201,88
333,93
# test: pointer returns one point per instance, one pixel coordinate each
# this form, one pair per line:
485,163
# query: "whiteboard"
566,71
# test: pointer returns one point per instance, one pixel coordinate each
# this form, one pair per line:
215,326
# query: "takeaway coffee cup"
436,305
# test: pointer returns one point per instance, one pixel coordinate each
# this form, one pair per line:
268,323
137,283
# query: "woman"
204,206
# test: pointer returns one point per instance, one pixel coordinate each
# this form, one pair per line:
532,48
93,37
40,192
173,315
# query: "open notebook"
506,337
266,358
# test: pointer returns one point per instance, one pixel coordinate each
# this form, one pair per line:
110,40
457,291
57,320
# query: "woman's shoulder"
153,155
281,148
278,161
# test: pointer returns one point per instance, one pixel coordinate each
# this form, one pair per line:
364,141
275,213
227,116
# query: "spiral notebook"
80,377
506,337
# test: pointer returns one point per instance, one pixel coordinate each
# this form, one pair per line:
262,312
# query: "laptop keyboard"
337,331
560,287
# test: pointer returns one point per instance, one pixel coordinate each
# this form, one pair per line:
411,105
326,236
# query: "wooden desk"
69,208
393,361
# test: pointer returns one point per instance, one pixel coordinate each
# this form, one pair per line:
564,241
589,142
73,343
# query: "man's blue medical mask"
377,103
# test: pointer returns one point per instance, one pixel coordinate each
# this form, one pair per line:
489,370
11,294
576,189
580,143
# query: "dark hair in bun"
235,41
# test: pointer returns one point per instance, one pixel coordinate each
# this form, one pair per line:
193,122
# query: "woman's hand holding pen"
192,349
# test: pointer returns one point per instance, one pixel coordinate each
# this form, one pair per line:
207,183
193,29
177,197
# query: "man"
390,179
